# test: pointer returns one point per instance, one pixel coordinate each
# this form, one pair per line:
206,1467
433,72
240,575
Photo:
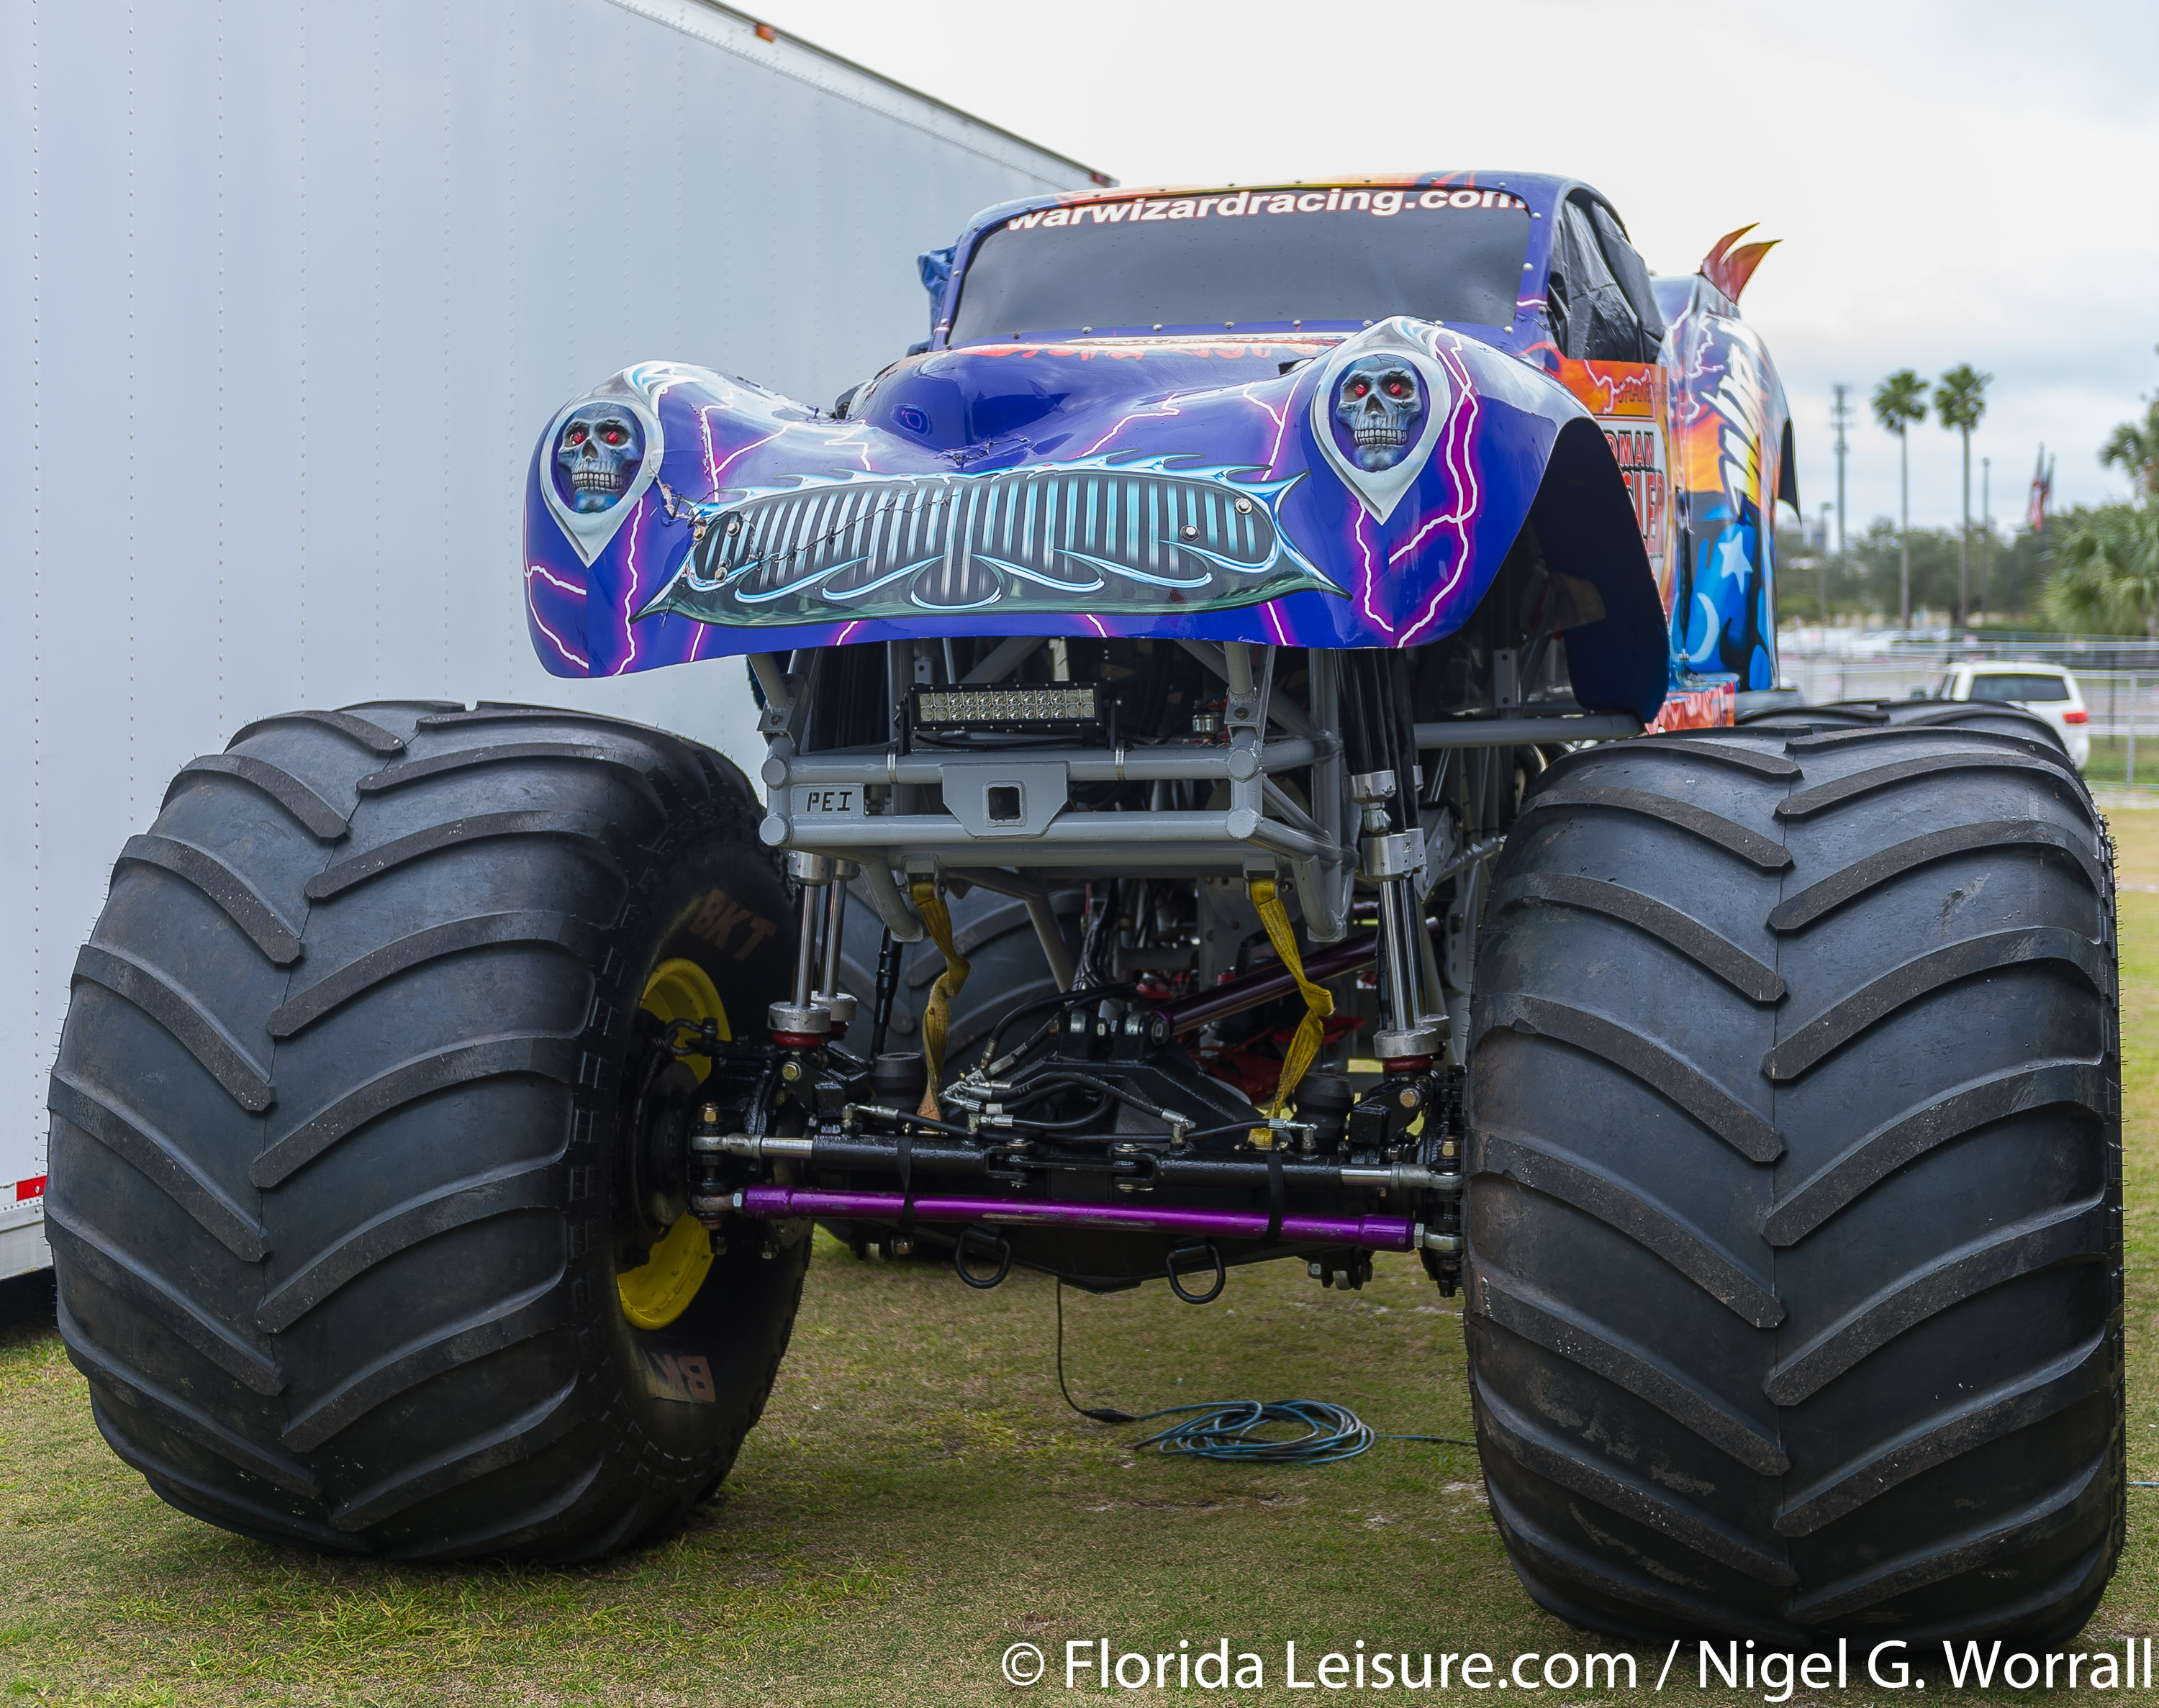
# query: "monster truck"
1298,659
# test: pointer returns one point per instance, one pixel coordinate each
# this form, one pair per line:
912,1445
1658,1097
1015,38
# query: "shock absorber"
1382,763
838,1003
803,1020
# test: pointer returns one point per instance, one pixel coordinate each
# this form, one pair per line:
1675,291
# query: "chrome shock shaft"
805,1015
1383,786
840,1003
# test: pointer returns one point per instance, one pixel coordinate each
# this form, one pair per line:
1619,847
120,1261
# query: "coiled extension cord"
1230,1429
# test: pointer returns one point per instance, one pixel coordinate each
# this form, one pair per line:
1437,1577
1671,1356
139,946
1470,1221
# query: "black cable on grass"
1227,1429
1100,1414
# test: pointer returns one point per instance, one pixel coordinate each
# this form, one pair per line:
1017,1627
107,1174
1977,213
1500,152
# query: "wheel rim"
682,989
660,1289
654,1295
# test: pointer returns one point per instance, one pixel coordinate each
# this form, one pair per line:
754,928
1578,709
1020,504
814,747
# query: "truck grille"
1124,537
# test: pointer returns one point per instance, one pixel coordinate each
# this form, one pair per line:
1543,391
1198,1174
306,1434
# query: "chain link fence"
2118,678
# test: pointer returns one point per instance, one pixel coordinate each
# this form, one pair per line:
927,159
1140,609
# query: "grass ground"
917,1498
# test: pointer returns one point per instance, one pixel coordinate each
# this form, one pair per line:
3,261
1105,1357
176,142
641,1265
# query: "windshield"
2000,685
1272,258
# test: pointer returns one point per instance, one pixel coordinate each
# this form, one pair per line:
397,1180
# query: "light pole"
1822,562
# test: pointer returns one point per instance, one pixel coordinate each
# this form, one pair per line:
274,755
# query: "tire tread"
1921,1182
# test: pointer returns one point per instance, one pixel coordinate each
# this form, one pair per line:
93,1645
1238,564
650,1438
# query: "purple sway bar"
1370,1233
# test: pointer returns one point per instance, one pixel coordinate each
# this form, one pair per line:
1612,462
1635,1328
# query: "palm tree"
2134,446
1960,400
2105,579
1899,401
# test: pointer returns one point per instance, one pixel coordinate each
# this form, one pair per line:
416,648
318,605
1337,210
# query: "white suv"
2048,690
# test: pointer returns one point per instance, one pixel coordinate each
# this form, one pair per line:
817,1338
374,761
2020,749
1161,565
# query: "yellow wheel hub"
655,1294
682,989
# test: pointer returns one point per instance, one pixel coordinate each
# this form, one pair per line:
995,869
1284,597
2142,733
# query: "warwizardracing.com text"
1095,1663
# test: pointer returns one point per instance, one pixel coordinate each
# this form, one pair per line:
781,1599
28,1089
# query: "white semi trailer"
286,293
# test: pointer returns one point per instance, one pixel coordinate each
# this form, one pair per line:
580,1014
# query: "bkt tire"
355,1240
1795,1292
2000,717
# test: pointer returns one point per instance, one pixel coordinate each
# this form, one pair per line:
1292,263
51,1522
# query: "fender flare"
1585,522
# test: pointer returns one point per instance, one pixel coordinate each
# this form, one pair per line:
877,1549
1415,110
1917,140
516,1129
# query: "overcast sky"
1969,182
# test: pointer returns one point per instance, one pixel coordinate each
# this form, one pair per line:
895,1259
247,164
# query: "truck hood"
1337,492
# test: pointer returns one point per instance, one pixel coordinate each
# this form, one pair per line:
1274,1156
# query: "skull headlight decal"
603,452
598,451
1379,406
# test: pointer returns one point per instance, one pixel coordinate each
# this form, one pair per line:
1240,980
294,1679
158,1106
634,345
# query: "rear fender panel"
1168,488
1732,463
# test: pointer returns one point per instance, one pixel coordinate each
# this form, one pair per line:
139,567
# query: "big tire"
358,1241
2000,717
1795,1291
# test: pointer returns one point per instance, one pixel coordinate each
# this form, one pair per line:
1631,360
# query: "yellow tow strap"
1318,1002
937,1014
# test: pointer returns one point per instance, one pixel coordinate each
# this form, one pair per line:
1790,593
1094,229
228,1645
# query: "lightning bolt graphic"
1462,471
540,624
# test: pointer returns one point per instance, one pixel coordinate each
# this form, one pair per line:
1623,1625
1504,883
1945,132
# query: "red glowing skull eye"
576,435
1360,386
1397,387
612,433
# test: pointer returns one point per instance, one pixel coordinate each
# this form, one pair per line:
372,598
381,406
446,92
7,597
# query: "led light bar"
1059,707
